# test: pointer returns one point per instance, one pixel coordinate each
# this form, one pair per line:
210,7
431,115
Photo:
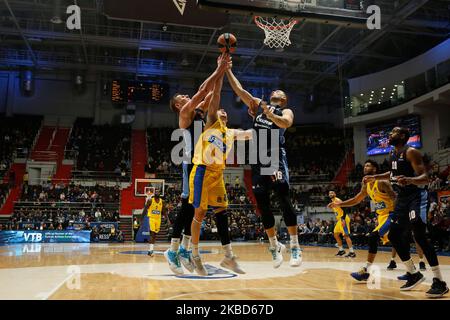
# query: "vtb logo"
35,237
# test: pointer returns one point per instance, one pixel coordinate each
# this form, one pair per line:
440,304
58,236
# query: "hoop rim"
287,26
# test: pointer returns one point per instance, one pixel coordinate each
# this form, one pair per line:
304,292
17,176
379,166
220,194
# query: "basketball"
227,43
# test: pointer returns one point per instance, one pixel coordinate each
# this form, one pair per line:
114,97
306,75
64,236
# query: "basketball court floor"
124,271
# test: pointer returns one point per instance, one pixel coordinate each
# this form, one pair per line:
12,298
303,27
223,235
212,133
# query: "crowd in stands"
57,206
16,137
159,150
59,192
311,145
101,148
3,193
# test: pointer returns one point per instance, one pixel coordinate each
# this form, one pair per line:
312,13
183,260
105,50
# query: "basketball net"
277,31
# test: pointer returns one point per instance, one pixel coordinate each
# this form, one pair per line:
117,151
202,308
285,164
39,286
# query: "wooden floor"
124,271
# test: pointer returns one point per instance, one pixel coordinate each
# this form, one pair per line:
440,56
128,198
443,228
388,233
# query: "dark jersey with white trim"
263,127
401,166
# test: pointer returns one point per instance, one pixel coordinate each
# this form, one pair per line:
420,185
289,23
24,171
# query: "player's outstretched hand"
403,181
224,61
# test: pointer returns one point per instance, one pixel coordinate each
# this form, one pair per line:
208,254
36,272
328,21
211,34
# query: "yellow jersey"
338,210
213,146
384,204
155,208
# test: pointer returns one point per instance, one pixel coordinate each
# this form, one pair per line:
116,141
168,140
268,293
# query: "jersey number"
394,165
278,175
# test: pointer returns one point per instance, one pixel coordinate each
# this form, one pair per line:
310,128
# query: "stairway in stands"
58,145
128,200
50,146
126,226
163,235
15,192
345,169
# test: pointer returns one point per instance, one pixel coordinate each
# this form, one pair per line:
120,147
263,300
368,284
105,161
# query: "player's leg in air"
262,195
177,254
180,254
290,219
230,260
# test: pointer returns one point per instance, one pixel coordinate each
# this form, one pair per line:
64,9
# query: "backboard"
147,187
350,11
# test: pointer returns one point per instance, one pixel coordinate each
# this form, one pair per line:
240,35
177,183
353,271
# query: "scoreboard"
123,91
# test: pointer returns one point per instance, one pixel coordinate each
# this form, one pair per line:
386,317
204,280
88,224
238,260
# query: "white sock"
341,248
393,259
195,251
410,267
174,244
228,250
186,243
421,260
294,240
273,242
351,249
151,246
437,272
368,265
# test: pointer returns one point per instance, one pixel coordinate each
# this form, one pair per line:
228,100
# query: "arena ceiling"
144,48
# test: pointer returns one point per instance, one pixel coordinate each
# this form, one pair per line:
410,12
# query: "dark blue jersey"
401,166
264,128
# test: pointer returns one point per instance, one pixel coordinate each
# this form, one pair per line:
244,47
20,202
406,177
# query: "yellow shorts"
207,188
155,223
384,224
342,226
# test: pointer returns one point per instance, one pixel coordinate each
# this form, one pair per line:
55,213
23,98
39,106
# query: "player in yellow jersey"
206,179
154,208
342,227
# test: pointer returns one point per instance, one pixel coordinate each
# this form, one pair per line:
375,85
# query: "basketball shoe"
174,261
277,254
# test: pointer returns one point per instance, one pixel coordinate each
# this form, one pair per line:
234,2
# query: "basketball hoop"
277,31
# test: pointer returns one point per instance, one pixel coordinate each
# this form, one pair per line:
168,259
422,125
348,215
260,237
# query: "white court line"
46,295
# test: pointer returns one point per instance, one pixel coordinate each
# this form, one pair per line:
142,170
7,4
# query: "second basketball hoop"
277,30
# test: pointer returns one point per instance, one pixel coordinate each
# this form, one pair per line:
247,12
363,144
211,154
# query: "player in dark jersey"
409,179
267,118
191,112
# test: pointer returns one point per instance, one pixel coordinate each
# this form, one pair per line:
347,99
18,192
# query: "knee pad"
222,227
374,237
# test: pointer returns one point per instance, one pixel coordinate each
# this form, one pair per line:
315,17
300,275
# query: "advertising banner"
47,236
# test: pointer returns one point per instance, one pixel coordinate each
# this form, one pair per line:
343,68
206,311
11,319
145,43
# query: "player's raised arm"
215,103
185,116
251,102
352,201
381,176
284,121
